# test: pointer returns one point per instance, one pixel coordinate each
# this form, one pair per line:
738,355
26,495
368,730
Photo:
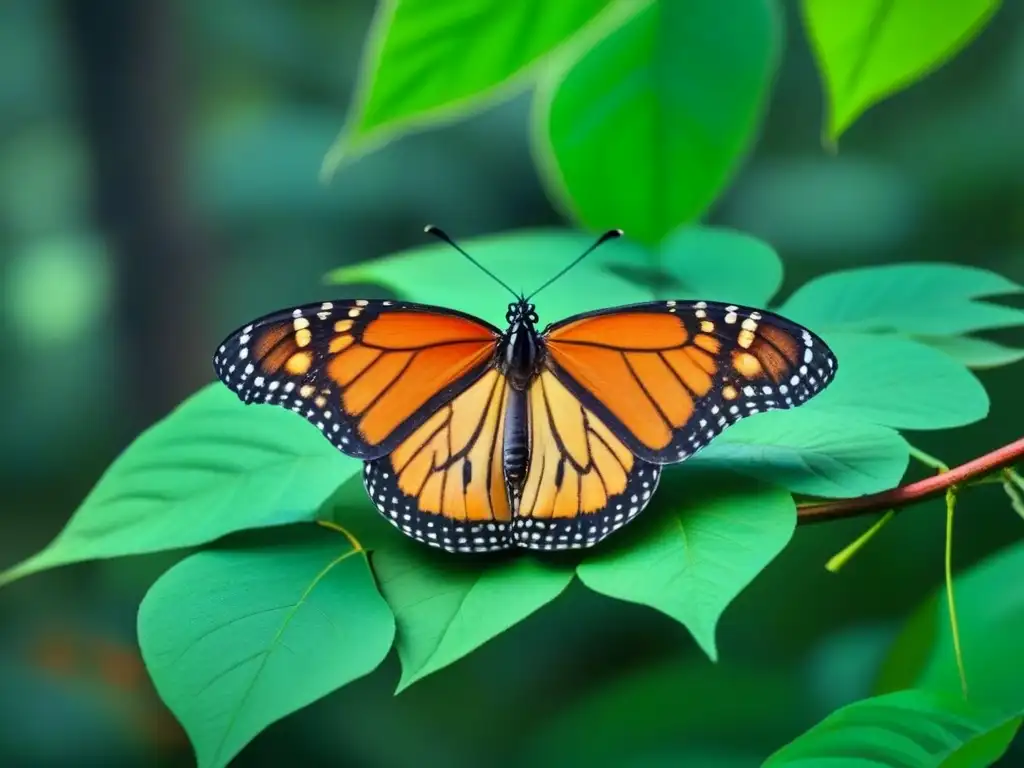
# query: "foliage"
990,619
272,629
643,110
445,610
920,716
642,130
907,728
708,545
870,50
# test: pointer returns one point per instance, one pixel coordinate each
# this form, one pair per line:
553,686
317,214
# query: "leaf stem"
840,559
948,559
913,493
356,546
1012,486
928,460
1014,477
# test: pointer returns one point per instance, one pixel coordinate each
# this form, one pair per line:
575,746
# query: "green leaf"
900,383
706,537
817,454
907,729
921,299
426,61
645,128
236,639
708,263
979,354
990,614
870,50
986,749
211,467
446,608
525,260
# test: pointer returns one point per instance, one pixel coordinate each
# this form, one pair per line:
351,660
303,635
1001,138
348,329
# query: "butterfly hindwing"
667,377
366,373
583,483
443,485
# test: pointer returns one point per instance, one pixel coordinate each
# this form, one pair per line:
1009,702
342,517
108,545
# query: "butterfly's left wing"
667,377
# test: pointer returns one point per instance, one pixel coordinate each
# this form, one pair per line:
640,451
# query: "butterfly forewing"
366,373
667,377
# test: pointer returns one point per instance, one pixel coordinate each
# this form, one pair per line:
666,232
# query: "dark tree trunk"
131,73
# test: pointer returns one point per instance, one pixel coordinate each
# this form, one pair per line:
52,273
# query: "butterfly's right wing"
366,373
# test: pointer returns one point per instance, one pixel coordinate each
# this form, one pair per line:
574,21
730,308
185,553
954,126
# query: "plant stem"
928,460
912,493
948,569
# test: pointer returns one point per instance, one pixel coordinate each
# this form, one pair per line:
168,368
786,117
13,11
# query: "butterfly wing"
444,485
366,373
583,481
667,377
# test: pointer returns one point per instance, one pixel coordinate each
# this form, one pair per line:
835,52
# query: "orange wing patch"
366,373
401,390
444,485
645,330
668,377
583,483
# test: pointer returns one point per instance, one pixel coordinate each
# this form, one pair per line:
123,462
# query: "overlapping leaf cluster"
298,608
641,116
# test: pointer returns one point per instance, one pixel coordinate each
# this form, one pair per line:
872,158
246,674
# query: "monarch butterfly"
476,439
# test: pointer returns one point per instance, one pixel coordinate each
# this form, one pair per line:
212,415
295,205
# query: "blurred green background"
158,186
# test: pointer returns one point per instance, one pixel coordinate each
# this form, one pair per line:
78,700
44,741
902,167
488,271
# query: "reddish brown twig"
913,492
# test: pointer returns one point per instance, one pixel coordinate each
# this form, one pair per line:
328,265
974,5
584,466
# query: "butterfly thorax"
520,352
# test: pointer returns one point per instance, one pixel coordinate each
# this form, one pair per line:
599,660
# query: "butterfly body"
515,443
477,440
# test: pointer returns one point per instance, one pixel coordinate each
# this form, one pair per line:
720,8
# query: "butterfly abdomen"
515,450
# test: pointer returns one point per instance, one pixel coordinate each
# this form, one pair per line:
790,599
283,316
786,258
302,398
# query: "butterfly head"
521,313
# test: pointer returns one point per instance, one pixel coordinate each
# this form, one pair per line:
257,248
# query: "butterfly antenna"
439,233
611,234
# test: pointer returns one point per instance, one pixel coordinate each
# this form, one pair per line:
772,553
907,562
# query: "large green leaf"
705,537
818,454
446,608
425,60
900,383
924,299
708,263
990,614
644,129
236,639
907,729
437,274
211,467
973,352
872,49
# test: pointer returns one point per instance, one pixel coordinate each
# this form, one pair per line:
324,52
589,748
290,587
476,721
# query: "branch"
912,493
